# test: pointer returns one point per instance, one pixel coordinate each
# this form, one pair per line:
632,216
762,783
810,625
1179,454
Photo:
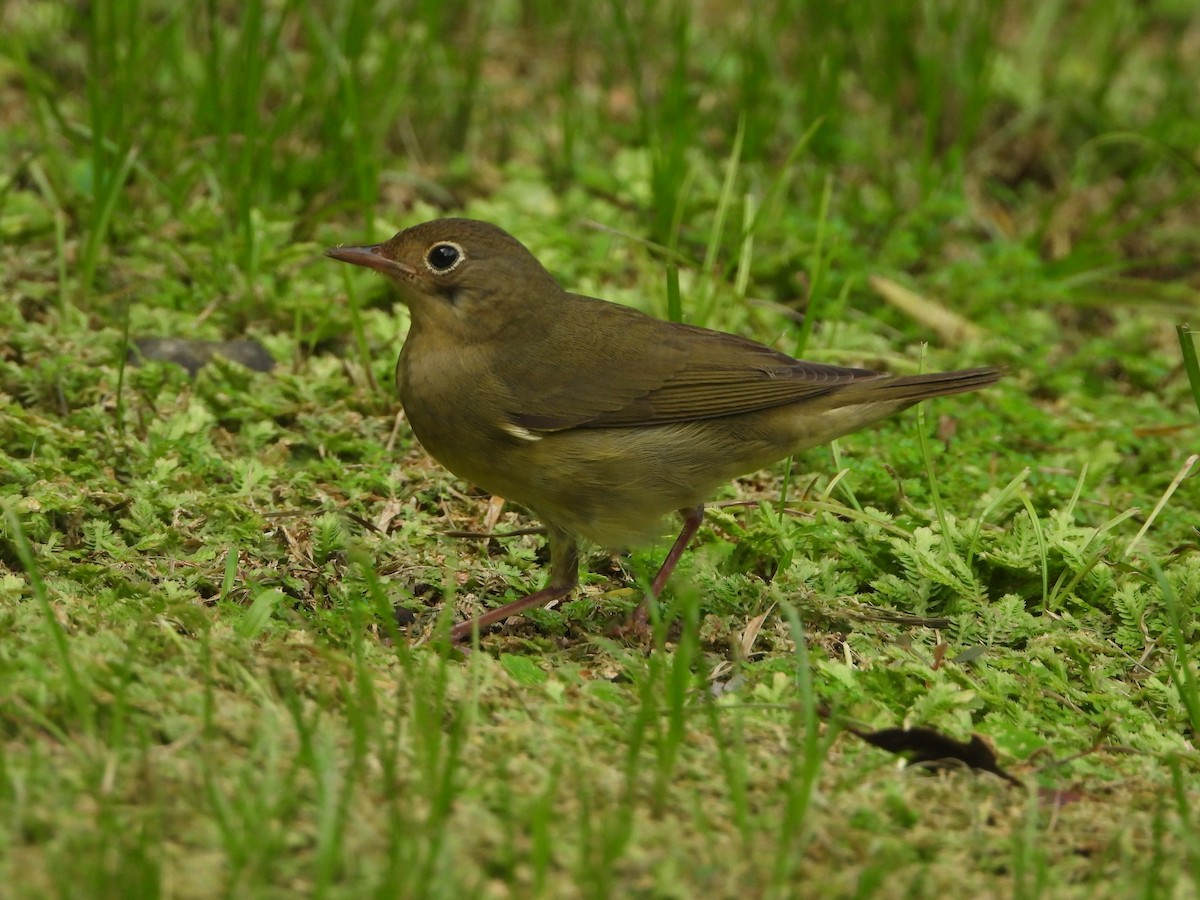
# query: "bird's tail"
908,389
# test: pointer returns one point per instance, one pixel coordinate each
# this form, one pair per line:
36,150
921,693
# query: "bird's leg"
691,524
564,575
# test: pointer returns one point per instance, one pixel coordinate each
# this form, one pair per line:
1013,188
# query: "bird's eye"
443,257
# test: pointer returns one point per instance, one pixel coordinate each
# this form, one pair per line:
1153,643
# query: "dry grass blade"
949,326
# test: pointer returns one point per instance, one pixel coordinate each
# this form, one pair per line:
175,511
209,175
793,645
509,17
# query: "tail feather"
907,389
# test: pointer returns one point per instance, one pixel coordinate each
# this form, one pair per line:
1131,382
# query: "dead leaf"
751,631
929,747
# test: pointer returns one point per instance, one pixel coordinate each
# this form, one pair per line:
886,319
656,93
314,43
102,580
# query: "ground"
221,590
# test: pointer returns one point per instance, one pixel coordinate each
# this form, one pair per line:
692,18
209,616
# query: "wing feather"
658,373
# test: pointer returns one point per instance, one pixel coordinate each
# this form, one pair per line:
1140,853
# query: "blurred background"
1010,150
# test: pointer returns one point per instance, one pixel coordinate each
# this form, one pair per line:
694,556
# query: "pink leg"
564,575
691,524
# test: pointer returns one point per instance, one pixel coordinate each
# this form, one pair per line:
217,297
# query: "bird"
599,419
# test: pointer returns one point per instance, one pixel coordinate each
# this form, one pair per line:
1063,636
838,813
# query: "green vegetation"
203,688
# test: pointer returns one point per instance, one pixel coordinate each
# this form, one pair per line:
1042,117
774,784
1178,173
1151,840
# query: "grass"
204,689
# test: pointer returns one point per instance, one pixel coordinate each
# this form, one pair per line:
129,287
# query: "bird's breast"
456,409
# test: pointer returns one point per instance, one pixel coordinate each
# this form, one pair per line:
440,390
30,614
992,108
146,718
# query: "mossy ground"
203,687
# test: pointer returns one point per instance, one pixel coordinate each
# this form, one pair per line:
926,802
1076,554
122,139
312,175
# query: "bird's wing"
651,372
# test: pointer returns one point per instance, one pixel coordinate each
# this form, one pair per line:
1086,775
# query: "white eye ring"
452,253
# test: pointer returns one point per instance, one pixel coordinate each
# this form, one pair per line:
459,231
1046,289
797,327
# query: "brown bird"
599,418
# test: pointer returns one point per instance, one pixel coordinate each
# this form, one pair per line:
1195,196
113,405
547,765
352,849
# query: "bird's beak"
372,258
